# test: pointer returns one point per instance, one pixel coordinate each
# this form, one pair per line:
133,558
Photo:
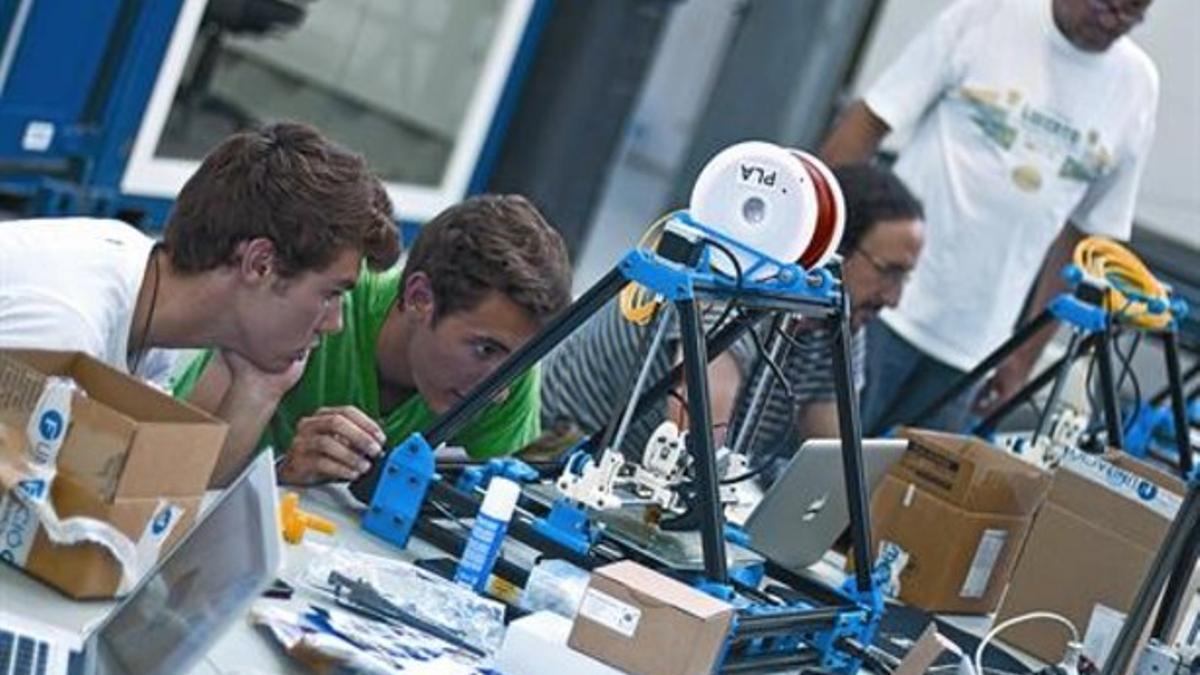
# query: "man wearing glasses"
1031,121
586,380
880,248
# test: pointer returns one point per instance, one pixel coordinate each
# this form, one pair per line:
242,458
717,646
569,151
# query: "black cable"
1133,377
1033,406
1089,388
1126,359
774,452
737,290
795,344
784,443
766,357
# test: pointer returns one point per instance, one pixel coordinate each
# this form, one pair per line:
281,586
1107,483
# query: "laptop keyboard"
22,655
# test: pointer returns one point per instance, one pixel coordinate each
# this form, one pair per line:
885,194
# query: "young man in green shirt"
481,279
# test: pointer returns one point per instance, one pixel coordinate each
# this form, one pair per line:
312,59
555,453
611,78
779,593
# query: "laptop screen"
181,608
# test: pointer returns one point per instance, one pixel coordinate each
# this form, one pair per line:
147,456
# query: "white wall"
1169,202
656,139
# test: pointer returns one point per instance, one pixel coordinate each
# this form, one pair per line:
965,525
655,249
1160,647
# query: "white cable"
1014,621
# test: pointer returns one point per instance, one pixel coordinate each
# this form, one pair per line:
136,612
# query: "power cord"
737,289
1031,616
1126,359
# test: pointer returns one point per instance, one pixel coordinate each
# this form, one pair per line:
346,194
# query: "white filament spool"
759,195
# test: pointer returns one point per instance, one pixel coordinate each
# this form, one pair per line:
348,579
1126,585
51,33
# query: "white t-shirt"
72,284
1015,133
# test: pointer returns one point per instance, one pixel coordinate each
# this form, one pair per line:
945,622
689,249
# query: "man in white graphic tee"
1031,123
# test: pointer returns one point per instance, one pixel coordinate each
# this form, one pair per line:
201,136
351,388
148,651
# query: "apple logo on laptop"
814,509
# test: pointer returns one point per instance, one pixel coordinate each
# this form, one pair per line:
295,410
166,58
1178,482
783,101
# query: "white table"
246,650
242,648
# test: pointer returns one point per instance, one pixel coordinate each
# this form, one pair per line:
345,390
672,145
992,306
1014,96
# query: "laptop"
178,610
804,511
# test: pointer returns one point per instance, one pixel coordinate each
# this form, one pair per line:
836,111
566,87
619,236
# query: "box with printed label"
1089,549
99,473
958,510
643,622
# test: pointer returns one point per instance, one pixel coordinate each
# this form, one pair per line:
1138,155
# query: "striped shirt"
808,366
587,379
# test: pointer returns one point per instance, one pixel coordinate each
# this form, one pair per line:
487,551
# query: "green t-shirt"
342,370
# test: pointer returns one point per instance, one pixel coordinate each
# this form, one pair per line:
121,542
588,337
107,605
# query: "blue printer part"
1152,428
676,281
569,525
1070,309
405,479
477,477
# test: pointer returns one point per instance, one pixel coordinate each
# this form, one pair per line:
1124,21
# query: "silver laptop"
804,511
175,614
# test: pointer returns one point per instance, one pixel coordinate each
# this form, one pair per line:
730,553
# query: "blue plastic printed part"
750,575
1072,274
859,626
568,524
783,643
1072,310
668,279
1140,427
1152,429
1176,305
401,490
722,592
736,535
478,477
765,275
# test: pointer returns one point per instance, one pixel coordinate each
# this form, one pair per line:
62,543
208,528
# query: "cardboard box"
1089,550
116,451
642,622
960,509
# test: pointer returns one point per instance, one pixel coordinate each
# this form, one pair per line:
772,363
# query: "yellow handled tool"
294,522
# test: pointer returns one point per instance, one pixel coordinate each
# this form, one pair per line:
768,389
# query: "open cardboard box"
1089,550
960,509
131,457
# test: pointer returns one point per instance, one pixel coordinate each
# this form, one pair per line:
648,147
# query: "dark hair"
287,183
493,243
873,194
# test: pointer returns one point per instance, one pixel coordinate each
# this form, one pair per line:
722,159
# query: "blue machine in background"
107,106
75,79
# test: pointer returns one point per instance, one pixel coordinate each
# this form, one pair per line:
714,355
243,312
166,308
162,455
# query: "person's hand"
333,444
1009,377
262,385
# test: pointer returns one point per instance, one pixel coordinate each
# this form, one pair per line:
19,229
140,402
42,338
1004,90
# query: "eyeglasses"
892,272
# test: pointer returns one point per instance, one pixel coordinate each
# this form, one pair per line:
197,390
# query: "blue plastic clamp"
401,489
